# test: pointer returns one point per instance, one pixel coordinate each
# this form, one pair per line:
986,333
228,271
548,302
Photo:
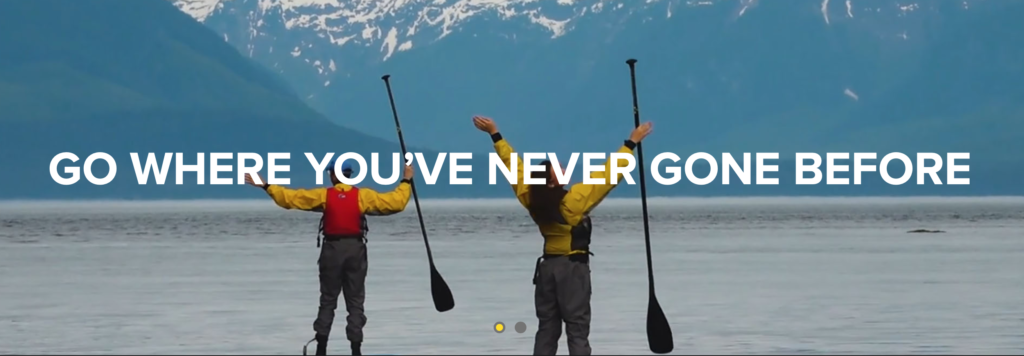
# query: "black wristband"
630,144
495,137
266,186
406,181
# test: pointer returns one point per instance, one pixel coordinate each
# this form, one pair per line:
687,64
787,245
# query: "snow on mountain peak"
393,25
321,33
199,9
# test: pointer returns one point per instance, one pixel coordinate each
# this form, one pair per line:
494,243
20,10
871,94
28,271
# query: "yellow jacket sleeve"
582,198
300,199
505,152
373,203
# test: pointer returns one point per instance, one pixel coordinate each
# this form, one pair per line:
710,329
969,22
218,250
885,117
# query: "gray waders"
562,295
343,264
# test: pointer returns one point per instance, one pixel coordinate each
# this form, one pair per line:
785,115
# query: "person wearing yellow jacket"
562,275
343,262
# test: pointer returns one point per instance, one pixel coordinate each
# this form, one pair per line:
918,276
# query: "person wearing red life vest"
343,262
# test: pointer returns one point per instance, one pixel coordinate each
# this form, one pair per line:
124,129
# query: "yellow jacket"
370,201
577,203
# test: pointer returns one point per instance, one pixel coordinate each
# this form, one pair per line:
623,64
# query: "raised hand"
250,181
641,132
409,171
485,124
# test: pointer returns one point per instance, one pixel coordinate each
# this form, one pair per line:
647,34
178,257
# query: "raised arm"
505,152
299,199
373,203
582,198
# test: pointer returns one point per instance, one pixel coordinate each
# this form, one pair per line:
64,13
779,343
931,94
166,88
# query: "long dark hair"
546,200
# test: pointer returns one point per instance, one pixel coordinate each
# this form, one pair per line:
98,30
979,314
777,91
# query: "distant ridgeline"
137,76
714,75
141,76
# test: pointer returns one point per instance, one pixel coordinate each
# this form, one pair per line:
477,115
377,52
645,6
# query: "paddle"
304,347
659,333
443,299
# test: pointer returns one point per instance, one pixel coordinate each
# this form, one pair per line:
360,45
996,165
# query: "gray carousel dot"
520,327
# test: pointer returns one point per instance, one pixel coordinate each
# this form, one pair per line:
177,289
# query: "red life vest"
342,217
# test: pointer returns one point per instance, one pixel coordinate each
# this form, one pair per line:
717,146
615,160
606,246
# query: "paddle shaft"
643,182
401,141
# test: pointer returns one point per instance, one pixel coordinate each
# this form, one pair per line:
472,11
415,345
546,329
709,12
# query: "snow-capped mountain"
725,75
390,26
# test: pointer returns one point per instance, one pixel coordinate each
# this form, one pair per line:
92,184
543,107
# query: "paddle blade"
443,299
659,334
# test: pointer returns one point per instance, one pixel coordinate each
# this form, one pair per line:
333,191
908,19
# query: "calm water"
733,275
